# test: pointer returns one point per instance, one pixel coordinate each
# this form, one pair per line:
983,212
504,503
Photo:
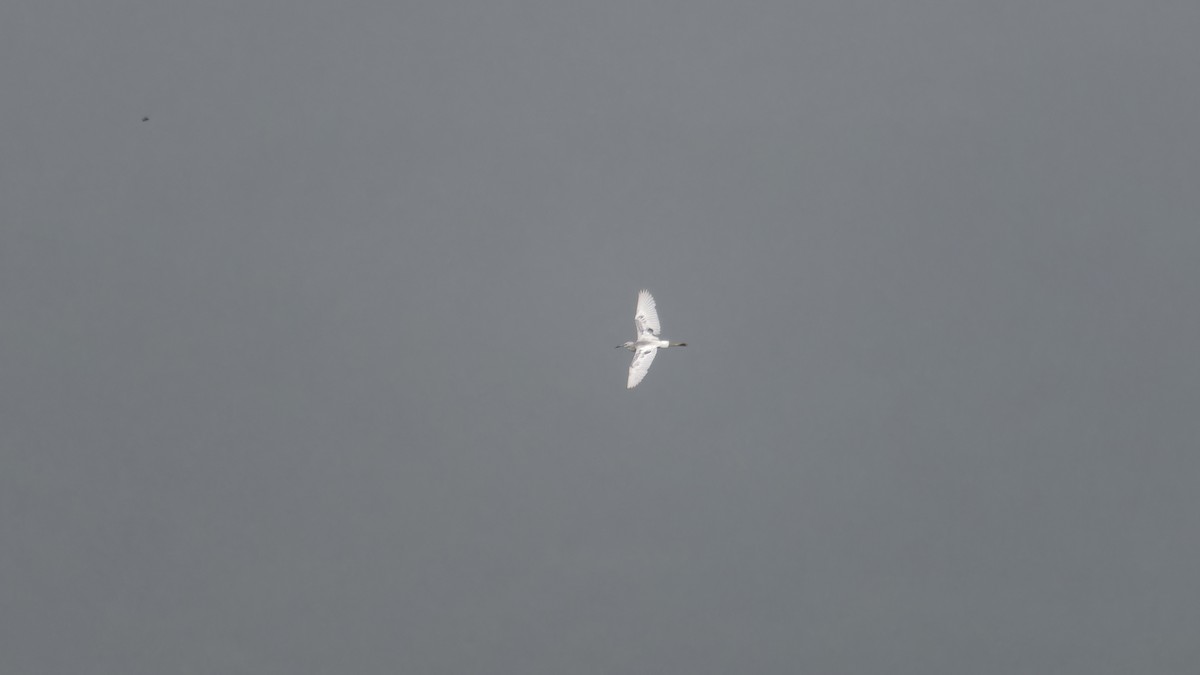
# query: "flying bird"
646,346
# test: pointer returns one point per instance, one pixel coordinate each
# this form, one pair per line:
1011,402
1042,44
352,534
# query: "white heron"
648,342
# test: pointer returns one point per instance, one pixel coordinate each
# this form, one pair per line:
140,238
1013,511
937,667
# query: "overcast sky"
313,370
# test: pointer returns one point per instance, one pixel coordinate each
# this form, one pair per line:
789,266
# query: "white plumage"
648,342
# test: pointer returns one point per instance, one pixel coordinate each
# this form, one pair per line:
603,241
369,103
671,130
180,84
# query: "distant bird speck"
145,119
648,342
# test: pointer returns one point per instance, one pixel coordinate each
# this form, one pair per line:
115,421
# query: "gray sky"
312,372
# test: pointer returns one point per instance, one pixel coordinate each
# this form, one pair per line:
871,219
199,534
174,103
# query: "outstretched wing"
641,365
646,318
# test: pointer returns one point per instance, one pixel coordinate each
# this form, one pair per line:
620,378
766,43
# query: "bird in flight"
648,342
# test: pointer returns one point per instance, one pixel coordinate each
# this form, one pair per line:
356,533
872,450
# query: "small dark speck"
145,119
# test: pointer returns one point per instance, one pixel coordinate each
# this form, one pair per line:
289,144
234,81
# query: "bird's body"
648,342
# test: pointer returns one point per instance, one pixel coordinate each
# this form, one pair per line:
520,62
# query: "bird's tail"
678,344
